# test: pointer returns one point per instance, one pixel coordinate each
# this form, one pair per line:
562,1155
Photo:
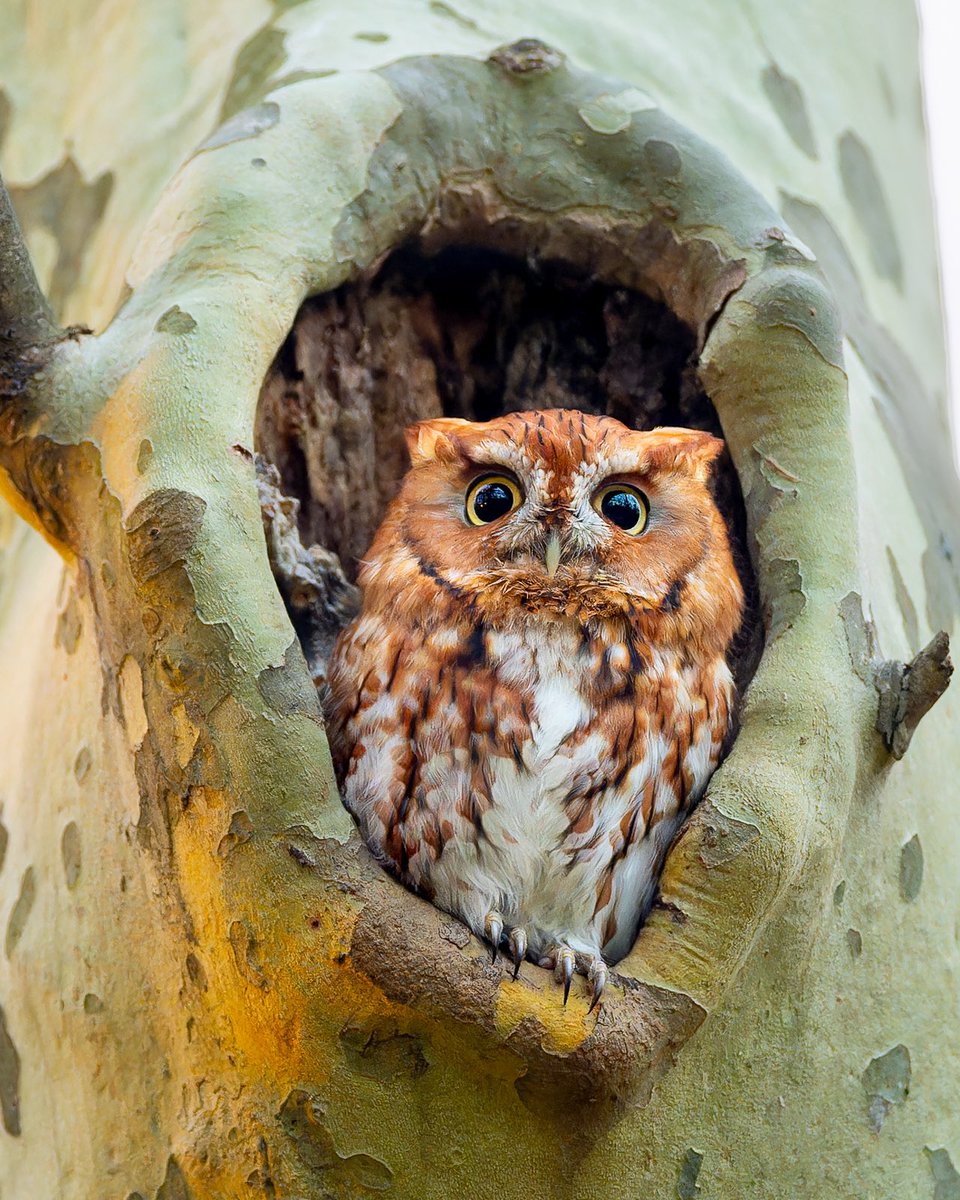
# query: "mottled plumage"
529,703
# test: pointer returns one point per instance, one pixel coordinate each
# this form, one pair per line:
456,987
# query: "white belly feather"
519,868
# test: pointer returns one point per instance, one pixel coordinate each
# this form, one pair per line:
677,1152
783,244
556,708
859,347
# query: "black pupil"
622,508
493,500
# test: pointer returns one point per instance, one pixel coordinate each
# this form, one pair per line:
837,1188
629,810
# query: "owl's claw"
493,929
518,948
597,975
566,961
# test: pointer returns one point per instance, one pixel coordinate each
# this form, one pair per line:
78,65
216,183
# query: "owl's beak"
551,556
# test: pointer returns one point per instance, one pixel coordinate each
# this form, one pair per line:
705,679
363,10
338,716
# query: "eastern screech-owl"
536,691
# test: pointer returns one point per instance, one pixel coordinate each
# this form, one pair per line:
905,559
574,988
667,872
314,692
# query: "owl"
535,691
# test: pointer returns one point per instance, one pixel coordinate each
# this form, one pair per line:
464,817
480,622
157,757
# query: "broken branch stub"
909,690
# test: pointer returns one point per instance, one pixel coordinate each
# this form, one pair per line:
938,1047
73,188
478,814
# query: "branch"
909,690
25,316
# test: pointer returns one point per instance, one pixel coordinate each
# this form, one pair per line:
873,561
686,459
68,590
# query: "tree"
208,988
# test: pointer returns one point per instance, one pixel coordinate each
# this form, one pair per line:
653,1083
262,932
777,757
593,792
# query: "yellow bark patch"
565,1026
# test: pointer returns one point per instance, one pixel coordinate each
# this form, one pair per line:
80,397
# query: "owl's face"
561,513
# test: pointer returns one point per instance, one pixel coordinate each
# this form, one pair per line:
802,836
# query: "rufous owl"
536,690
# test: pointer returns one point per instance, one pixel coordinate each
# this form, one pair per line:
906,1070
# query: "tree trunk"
208,988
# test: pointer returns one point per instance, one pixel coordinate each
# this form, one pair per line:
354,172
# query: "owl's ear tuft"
432,441
688,450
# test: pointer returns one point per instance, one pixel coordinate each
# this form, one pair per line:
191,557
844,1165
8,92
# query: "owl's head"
564,514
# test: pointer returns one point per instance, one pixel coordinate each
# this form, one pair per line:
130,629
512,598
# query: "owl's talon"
518,948
597,975
493,929
566,961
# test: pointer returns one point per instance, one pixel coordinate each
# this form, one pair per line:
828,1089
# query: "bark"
208,989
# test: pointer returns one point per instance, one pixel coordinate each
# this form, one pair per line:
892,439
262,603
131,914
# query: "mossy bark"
208,990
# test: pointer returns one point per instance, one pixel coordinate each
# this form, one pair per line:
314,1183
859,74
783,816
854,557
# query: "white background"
941,67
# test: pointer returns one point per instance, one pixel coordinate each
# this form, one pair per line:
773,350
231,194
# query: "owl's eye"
623,506
491,497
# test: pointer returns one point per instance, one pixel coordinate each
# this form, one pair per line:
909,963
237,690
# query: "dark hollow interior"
473,334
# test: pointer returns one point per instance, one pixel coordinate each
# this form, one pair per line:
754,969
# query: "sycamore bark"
207,989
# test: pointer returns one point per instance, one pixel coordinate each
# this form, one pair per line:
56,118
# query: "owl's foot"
564,962
565,966
518,948
493,932
516,939
597,975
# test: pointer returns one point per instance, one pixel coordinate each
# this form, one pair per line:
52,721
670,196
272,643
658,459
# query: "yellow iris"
624,506
491,497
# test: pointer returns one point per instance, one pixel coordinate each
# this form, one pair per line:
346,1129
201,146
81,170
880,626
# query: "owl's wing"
379,697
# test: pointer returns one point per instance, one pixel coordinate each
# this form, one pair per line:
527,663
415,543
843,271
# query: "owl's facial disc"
562,513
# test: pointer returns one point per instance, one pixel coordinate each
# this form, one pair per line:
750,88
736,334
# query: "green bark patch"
69,624
788,102
287,688
864,190
196,972
861,638
70,854
9,1080
246,954
787,597
174,1186
23,905
304,847
162,530
911,869
687,1188
380,1051
946,1178
908,610
240,831
790,306
69,208
258,60
175,320
82,764
886,1082
247,123
303,1118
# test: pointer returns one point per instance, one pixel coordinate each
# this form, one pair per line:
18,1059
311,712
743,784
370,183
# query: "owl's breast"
535,773
562,779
